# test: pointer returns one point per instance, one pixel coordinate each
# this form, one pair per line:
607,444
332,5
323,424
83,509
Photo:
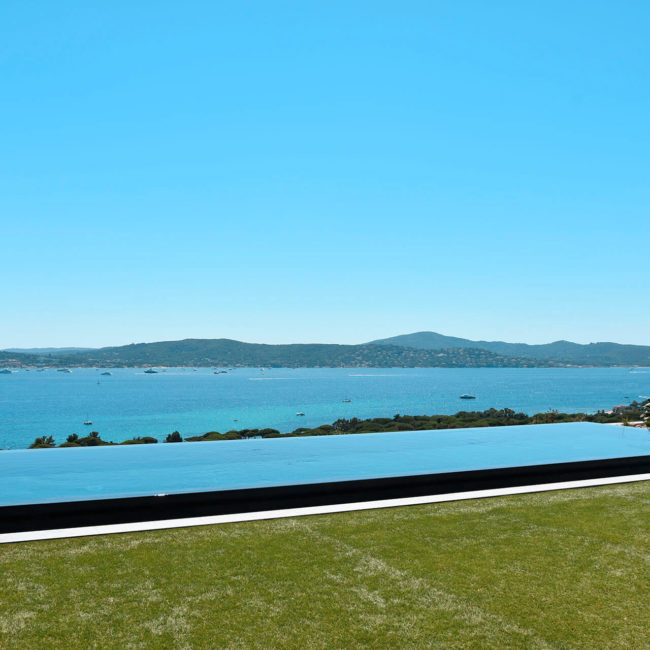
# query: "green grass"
559,570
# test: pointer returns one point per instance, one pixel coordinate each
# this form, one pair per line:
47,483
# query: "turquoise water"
50,475
130,403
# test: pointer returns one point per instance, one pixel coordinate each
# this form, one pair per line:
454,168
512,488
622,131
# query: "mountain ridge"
601,353
56,351
228,352
419,349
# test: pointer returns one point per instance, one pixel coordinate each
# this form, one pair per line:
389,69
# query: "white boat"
6,371
88,423
107,373
150,371
300,413
63,370
347,399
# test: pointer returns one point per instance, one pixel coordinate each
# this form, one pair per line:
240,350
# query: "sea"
130,403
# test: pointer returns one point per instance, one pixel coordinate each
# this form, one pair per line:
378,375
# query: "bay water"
131,403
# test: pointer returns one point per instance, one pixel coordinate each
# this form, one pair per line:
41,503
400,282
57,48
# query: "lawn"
549,570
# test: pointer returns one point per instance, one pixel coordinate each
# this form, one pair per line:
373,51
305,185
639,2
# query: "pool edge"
135,510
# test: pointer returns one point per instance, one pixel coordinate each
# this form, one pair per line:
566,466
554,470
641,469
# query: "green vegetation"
174,437
634,412
44,442
241,434
461,420
145,440
17,359
93,439
550,570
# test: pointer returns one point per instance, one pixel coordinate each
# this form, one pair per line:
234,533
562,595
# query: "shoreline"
635,414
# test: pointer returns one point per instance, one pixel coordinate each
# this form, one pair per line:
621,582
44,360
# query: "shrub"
146,440
92,440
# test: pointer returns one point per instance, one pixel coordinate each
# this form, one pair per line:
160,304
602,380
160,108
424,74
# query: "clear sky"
323,171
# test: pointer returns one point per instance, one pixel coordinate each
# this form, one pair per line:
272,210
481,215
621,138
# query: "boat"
88,423
347,400
6,371
150,371
107,373
300,413
63,370
466,396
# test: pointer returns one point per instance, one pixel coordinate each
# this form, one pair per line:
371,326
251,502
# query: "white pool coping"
140,526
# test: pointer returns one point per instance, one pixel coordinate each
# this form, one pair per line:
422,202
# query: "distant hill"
592,354
421,350
226,352
57,351
12,359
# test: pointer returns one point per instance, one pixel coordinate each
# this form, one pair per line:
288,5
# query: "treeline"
461,420
93,439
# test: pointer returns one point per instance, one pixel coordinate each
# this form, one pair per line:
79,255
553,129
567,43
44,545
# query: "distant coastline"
422,350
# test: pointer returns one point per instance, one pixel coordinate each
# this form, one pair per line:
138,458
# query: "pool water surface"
87,473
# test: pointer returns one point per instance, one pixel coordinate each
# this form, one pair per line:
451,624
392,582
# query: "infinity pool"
78,474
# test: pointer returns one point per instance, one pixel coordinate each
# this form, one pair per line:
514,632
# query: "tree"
174,437
72,438
44,442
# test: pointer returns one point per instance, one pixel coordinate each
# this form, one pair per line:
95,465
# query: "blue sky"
326,172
